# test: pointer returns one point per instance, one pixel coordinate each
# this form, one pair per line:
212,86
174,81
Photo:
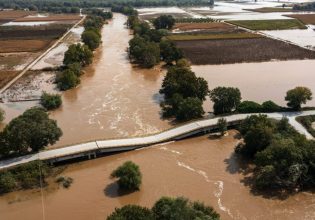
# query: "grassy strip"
270,9
307,121
187,37
281,24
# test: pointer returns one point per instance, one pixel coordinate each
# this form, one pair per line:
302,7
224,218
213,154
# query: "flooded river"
200,168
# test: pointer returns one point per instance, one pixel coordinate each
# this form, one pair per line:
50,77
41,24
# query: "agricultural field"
305,18
227,51
12,46
271,9
218,26
212,36
7,16
56,18
269,24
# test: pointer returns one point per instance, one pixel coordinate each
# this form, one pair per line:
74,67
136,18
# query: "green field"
187,37
282,24
270,9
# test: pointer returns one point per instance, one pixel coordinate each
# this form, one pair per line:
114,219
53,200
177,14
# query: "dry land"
241,50
212,36
305,18
9,46
153,16
280,24
270,9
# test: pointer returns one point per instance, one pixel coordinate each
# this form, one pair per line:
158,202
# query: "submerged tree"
129,176
226,99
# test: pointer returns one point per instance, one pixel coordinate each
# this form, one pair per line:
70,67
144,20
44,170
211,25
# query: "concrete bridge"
93,149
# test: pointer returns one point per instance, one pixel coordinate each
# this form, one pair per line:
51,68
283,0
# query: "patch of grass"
281,24
188,37
307,122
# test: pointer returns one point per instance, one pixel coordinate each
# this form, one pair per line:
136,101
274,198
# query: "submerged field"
305,18
269,24
240,50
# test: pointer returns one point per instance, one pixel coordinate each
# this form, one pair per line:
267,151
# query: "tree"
78,53
169,52
183,94
7,182
129,176
222,126
131,212
50,101
31,130
182,209
75,68
189,108
270,106
257,131
226,99
67,80
164,22
298,96
183,63
91,39
249,107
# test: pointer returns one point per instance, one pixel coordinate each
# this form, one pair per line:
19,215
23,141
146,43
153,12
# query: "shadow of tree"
113,191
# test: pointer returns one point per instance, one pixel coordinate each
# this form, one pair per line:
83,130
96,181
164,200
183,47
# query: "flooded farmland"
201,168
116,99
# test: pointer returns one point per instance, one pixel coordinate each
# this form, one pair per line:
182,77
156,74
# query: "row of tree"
284,158
184,93
80,55
73,6
148,47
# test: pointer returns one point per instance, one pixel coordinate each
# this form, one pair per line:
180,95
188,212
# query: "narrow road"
27,68
177,133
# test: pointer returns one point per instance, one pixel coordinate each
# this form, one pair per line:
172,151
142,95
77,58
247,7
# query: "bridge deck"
137,142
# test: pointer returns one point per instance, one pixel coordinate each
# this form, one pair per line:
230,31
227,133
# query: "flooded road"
200,168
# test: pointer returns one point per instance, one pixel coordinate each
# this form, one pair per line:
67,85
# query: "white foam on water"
172,151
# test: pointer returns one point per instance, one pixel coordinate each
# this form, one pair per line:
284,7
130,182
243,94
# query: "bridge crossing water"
94,148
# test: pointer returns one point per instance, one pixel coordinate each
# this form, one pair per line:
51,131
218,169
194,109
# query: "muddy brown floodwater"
200,168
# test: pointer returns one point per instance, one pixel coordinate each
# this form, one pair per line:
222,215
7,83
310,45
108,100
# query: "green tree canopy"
131,212
91,39
78,53
164,22
226,99
189,108
129,176
31,130
67,80
222,125
298,96
50,101
169,52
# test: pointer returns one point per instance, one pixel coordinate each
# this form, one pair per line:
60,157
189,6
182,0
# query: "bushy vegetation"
225,99
167,208
64,181
298,96
33,130
222,126
254,107
147,47
182,90
26,176
164,22
50,101
67,80
2,115
283,157
307,122
280,24
129,176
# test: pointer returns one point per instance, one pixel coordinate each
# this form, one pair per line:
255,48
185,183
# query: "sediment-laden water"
202,168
